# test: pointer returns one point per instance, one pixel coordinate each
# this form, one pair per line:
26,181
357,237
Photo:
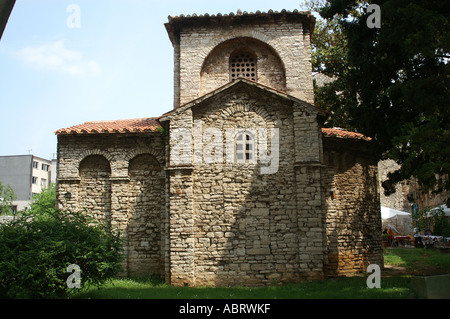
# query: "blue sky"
115,63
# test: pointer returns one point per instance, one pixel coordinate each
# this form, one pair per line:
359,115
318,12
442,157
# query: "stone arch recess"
249,108
146,207
86,153
215,70
279,50
140,151
94,189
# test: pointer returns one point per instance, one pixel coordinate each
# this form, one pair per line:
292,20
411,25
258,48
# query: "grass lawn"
401,264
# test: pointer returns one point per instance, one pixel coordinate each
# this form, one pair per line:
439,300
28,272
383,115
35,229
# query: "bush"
36,250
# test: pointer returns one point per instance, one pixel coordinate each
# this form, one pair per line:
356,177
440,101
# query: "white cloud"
55,57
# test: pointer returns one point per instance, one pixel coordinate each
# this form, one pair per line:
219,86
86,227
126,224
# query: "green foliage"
161,130
44,203
329,44
433,219
393,83
7,195
35,253
441,224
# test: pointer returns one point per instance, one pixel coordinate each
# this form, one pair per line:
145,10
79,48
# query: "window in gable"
245,148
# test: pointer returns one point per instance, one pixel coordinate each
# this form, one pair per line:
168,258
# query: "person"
390,236
417,239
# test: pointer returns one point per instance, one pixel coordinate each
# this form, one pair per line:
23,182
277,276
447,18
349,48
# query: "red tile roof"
142,125
139,125
334,132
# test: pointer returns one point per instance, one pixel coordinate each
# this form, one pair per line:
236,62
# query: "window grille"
243,65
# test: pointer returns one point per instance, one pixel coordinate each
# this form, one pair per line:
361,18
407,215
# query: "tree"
44,203
329,44
329,58
394,85
434,219
7,196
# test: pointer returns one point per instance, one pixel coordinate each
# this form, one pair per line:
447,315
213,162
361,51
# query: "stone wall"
146,201
119,178
399,199
279,44
232,225
353,208
225,223
94,190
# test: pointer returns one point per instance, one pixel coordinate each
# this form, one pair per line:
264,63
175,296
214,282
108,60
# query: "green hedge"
36,250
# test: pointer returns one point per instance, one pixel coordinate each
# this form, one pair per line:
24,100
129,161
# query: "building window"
35,164
243,65
43,183
34,180
245,148
45,167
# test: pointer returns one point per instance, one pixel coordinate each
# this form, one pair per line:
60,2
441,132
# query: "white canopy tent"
444,207
387,212
397,220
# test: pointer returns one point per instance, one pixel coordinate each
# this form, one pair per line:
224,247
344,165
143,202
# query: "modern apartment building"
27,175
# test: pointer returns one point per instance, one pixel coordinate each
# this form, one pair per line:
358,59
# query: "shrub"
35,251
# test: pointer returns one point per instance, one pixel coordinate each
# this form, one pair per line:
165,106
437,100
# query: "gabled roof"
139,125
237,83
151,124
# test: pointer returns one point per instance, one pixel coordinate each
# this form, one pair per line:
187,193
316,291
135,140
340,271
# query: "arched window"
245,148
243,65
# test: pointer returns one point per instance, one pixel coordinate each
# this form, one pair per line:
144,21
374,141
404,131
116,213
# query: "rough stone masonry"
186,189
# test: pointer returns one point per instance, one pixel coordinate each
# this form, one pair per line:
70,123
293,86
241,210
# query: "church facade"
240,184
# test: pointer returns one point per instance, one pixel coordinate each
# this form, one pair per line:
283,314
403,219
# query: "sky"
66,62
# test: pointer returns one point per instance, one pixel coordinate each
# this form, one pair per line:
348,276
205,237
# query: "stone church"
240,183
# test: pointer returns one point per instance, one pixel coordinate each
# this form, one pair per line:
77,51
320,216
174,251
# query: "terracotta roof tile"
139,125
334,132
150,124
240,13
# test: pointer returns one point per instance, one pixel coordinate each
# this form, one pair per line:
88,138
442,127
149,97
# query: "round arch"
216,67
94,164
